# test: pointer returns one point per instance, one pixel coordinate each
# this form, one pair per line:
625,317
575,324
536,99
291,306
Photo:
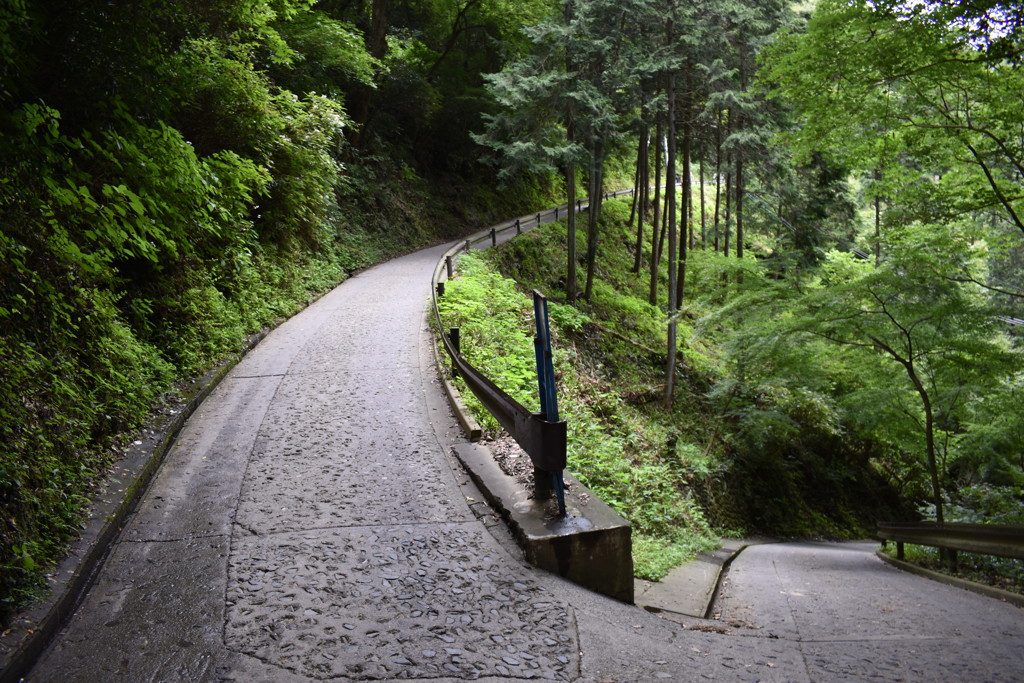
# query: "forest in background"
835,295
177,175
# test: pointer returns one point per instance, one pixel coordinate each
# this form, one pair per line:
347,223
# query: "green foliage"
985,504
62,402
917,97
171,180
326,55
494,322
611,448
568,318
654,556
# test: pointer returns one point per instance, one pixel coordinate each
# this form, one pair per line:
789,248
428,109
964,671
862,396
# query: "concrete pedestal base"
590,546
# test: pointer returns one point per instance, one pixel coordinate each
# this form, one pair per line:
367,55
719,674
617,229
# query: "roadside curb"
691,589
31,631
990,591
469,425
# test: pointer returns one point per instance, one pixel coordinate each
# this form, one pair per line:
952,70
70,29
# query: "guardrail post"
494,237
519,228
548,396
556,213
538,219
469,245
579,205
448,265
440,289
455,336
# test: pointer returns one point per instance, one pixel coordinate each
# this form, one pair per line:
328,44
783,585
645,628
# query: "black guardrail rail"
545,442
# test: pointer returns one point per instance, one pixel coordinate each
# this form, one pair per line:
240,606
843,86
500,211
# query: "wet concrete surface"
312,524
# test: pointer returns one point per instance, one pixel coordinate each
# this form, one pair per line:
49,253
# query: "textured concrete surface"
312,524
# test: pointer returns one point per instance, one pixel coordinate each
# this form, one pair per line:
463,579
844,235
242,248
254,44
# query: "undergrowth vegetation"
743,449
614,448
173,179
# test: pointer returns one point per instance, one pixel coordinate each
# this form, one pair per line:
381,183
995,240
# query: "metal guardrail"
543,440
984,539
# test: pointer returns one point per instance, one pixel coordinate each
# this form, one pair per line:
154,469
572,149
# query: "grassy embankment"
684,475
639,457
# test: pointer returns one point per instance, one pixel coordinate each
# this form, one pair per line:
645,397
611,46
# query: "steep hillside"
681,475
177,176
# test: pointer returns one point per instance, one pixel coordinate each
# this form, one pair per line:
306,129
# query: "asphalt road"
852,617
311,524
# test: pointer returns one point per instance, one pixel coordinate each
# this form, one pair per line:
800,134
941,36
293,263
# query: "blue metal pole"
546,381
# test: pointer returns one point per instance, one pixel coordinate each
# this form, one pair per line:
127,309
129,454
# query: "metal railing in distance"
542,435
485,239
984,539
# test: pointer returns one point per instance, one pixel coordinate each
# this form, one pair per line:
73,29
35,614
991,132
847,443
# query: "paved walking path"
310,524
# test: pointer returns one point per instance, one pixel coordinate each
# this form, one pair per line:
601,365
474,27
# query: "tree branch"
453,37
992,288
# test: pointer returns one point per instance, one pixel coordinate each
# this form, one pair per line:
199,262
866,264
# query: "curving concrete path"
310,524
854,618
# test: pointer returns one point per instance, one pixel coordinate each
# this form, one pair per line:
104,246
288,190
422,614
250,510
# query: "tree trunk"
686,241
376,44
670,364
688,226
645,206
878,221
739,162
929,421
596,199
570,184
878,231
728,212
638,198
670,188
655,254
703,207
739,205
929,438
728,187
718,181
570,278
